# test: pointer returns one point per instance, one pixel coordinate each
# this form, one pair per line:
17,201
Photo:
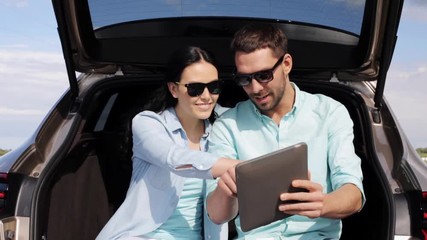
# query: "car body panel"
127,56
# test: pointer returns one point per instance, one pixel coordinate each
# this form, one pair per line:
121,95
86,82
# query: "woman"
166,194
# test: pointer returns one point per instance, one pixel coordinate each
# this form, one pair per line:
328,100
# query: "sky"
33,75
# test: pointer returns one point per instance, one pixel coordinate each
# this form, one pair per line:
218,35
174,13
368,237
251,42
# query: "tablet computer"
261,180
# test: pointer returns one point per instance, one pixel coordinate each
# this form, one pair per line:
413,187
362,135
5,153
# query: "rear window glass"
346,15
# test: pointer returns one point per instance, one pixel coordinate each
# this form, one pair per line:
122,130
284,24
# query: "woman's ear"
173,89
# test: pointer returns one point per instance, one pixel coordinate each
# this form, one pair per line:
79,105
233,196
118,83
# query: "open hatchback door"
72,174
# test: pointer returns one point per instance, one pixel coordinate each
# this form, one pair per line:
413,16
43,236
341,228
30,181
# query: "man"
279,114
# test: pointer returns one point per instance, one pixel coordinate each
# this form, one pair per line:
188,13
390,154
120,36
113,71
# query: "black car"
72,174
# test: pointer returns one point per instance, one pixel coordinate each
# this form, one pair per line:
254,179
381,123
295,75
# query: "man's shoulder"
322,105
319,99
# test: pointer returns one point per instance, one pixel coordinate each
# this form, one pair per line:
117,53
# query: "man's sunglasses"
263,76
196,89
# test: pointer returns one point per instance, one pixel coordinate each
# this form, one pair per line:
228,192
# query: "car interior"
89,184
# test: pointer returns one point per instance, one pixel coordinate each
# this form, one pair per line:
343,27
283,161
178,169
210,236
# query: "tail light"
3,191
424,212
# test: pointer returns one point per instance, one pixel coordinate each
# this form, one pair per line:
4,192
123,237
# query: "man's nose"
255,86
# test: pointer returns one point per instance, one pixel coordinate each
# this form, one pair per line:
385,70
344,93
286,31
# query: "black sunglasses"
196,89
263,76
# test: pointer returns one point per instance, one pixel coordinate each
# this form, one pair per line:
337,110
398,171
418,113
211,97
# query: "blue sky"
33,77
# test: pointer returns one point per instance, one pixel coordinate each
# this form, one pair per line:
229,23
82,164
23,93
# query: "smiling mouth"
204,106
260,98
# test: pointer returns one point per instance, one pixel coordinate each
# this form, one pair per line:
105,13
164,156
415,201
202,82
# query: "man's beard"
270,106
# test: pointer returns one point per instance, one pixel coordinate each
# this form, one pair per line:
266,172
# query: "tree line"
422,152
3,151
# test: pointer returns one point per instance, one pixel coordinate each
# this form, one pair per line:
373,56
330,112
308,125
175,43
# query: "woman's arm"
222,165
154,142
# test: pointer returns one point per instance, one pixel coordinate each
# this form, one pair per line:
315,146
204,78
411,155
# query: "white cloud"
31,83
415,10
406,93
404,73
28,56
20,112
13,46
11,143
17,66
356,3
420,3
32,70
14,3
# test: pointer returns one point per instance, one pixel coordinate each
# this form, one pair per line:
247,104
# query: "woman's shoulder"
167,118
148,116
167,113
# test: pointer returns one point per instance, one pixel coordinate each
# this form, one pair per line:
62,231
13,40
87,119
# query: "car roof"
349,39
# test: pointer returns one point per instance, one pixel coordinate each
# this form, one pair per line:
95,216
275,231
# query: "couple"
170,194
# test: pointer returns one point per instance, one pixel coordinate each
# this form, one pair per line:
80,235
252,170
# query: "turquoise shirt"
186,221
321,122
160,149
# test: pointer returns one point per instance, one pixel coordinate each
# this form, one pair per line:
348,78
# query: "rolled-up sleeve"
155,141
344,164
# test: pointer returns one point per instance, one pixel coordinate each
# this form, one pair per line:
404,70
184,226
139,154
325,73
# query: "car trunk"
89,184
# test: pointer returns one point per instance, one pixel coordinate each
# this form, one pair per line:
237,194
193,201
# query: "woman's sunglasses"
196,89
263,76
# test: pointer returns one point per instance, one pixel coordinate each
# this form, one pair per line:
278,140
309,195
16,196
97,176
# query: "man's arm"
343,202
222,202
338,204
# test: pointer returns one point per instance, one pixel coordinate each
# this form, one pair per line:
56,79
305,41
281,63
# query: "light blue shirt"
321,122
160,147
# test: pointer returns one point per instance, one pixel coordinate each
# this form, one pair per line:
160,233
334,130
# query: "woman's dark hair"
178,61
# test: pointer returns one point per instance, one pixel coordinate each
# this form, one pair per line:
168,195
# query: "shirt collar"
174,124
171,119
298,98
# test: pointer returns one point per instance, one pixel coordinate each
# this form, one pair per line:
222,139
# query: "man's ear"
287,61
173,89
